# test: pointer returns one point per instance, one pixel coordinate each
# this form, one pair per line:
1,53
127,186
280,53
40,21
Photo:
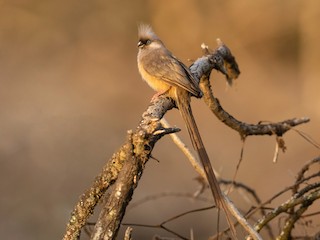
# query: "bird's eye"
148,42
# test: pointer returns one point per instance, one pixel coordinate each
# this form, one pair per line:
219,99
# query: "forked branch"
125,167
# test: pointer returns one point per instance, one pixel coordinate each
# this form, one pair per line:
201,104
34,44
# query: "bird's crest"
145,32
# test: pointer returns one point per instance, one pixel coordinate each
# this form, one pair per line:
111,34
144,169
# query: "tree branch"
143,138
297,199
125,167
222,60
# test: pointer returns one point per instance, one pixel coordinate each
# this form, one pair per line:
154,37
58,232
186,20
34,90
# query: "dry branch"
125,167
139,147
222,60
305,200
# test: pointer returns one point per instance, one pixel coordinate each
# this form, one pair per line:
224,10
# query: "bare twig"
295,200
289,224
245,129
241,186
294,186
301,173
222,60
234,211
182,146
307,138
162,224
238,164
154,197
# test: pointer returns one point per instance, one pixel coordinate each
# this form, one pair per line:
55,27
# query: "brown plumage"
168,75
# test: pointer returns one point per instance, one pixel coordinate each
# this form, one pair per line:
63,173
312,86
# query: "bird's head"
147,38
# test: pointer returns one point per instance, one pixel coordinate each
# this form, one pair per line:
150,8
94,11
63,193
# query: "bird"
167,75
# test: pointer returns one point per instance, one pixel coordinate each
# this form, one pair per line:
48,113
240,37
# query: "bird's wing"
171,70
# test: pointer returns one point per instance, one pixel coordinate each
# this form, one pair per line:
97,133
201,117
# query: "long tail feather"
183,103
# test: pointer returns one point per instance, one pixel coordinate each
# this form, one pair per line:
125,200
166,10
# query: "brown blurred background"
70,89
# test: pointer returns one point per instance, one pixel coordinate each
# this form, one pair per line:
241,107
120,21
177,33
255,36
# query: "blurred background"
70,90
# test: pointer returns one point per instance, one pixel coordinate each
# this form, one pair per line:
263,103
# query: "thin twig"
285,206
307,137
238,164
289,224
162,224
165,195
186,151
280,193
234,211
303,170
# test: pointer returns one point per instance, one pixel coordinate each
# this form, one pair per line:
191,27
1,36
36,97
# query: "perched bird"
168,75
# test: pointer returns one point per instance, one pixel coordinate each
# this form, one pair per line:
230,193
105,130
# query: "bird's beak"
140,43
